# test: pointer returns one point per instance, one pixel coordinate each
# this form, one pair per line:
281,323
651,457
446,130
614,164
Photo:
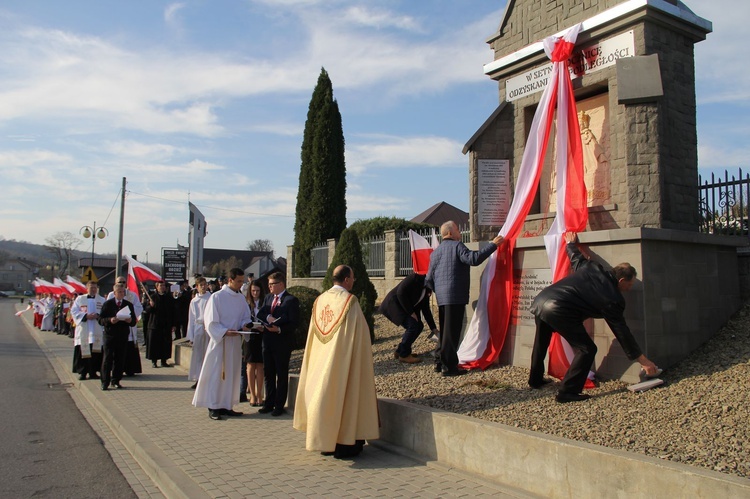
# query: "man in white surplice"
225,316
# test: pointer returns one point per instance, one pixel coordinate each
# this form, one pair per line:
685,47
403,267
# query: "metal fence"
723,204
319,260
373,253
405,266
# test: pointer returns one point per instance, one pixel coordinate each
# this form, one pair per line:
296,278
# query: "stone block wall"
687,289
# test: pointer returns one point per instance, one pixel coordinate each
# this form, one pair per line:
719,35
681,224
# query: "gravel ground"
700,416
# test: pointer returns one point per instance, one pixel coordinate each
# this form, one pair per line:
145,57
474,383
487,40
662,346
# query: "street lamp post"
93,233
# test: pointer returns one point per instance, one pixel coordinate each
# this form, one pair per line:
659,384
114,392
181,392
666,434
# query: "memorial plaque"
493,176
527,283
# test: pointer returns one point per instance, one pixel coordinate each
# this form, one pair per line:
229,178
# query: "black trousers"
113,358
276,375
89,365
583,347
451,318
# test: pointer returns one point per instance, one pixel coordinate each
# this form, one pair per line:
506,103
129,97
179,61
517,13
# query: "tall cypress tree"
349,252
321,197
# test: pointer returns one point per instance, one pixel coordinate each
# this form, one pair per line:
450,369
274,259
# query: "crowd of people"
242,337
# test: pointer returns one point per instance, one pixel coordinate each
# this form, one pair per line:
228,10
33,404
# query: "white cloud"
722,74
171,12
133,149
377,18
400,152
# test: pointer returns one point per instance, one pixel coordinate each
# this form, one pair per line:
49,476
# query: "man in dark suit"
404,305
116,333
281,311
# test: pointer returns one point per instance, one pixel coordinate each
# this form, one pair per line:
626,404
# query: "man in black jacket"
280,311
404,305
116,333
590,291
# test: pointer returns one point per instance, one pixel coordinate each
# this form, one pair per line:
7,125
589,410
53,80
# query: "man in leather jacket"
590,291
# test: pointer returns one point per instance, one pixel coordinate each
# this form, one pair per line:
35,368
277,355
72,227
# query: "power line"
212,207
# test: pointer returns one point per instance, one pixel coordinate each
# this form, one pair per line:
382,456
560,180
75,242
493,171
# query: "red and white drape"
488,327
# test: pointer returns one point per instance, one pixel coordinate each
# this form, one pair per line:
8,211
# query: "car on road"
4,294
28,293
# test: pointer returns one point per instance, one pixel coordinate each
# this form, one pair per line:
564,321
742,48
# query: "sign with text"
174,264
527,283
585,60
493,189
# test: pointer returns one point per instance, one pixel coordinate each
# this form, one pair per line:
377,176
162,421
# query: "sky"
205,101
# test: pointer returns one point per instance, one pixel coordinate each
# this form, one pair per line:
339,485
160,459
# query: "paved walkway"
166,447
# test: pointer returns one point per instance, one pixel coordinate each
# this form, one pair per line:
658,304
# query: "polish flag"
142,272
132,283
485,336
67,288
420,252
78,286
43,286
434,241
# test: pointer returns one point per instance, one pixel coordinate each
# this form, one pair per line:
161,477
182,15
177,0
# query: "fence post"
290,265
331,250
391,255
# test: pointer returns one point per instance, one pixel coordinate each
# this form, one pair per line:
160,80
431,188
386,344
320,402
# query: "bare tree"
62,245
261,245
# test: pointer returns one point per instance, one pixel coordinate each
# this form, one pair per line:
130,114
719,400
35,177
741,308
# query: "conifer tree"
321,196
349,252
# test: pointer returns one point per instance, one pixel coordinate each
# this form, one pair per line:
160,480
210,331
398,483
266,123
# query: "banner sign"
585,60
174,264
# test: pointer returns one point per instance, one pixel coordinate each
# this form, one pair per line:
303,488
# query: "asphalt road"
47,449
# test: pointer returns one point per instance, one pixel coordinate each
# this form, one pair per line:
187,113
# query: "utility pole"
118,265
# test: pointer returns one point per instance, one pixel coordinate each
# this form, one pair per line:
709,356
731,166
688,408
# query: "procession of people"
242,333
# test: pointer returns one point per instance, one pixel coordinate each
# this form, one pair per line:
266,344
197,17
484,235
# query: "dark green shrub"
306,297
349,252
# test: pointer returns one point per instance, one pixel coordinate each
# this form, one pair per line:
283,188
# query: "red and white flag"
67,288
78,286
42,286
486,333
132,283
420,252
142,272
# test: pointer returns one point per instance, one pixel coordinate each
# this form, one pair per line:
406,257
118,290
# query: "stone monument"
633,73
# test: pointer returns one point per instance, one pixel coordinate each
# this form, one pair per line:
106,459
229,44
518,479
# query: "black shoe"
214,414
231,413
327,453
539,384
278,412
117,386
243,397
347,451
164,364
563,397
153,364
455,372
438,367
95,376
105,388
265,409
81,377
195,385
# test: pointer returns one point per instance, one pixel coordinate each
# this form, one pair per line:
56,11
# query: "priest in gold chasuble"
336,401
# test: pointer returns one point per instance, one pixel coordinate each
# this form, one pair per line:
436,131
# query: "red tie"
275,302
118,304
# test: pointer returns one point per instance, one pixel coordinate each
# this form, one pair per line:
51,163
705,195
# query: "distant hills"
38,253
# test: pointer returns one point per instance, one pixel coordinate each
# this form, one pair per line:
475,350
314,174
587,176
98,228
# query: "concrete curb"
541,464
